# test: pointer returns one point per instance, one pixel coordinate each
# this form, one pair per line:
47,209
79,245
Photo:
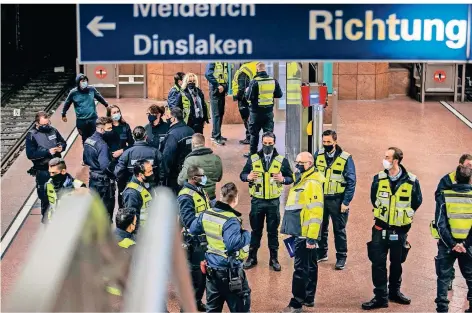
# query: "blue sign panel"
133,33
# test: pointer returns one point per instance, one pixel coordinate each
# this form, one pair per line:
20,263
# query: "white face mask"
387,165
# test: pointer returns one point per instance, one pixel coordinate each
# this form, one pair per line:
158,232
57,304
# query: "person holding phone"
267,172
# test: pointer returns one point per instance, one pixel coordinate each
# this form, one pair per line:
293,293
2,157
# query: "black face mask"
107,135
191,85
267,149
328,148
58,180
44,128
148,179
300,168
152,118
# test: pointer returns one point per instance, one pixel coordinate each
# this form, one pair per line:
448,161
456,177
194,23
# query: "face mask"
44,128
116,116
83,85
300,168
148,179
152,118
267,149
328,148
191,85
387,165
203,181
58,180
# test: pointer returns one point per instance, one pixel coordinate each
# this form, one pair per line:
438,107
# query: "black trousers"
305,274
269,210
197,126
332,208
42,177
106,190
217,104
86,127
258,121
217,292
377,250
444,270
244,112
195,254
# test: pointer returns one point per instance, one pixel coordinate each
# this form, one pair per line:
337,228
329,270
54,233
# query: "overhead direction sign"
143,33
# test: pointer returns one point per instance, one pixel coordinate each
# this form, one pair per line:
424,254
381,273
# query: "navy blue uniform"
446,257
38,144
156,134
197,123
243,105
97,156
84,106
195,252
217,100
260,117
140,151
332,207
132,198
175,148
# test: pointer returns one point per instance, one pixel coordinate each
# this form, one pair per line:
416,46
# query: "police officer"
137,193
241,80
338,168
395,195
193,200
267,172
158,127
454,227
83,97
217,76
98,157
175,148
446,183
140,151
261,93
173,96
228,245
43,143
59,184
302,220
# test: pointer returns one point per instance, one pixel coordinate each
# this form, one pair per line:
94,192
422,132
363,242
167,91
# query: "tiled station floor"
432,140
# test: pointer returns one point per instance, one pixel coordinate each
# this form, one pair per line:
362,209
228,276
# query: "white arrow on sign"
96,27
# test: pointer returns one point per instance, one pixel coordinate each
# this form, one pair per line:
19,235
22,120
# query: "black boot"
374,304
399,297
274,262
251,259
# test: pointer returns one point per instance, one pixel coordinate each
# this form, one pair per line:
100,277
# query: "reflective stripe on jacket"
146,197
265,187
266,91
459,212
335,183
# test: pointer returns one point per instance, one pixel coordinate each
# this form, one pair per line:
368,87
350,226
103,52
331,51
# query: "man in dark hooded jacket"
83,96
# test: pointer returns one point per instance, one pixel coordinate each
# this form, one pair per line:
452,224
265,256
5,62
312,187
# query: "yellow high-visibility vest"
146,197
335,182
459,212
266,91
201,203
265,187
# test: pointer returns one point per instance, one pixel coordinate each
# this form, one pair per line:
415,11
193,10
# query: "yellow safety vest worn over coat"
186,105
201,203
394,209
146,197
294,82
432,226
266,91
52,195
213,223
304,208
247,68
265,187
125,243
221,72
452,177
335,183
459,212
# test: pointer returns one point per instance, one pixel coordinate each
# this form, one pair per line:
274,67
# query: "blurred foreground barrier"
70,258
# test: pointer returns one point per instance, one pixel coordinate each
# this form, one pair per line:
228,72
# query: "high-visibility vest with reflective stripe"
186,105
265,187
221,72
459,212
452,177
394,209
305,203
266,91
52,195
125,243
145,196
335,182
201,203
247,68
213,223
294,82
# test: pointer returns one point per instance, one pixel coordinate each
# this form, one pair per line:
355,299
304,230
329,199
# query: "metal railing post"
317,127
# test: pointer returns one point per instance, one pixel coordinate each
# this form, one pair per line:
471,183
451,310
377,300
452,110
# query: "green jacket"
210,163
